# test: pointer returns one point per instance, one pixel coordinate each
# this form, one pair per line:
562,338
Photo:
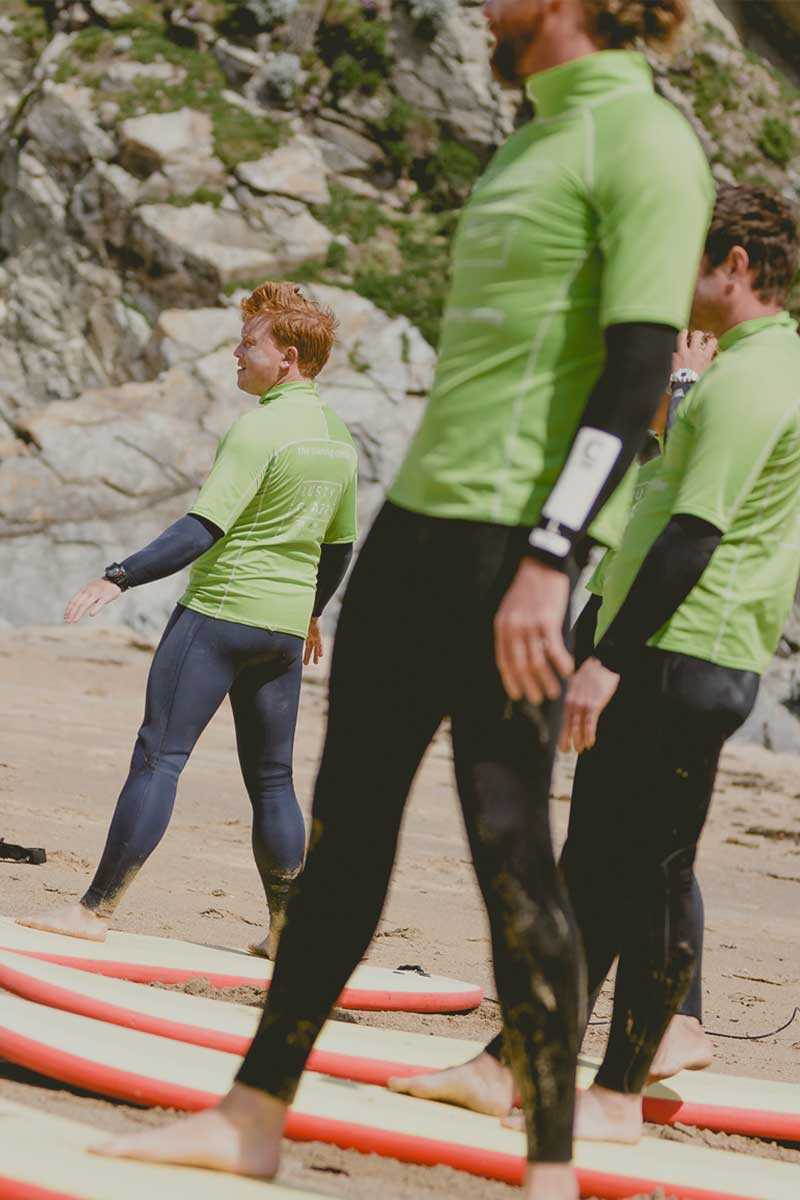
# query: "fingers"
504,658
529,664
78,605
589,729
565,741
307,653
683,341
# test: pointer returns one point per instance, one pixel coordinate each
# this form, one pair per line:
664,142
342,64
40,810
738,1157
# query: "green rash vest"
732,458
613,524
283,483
593,214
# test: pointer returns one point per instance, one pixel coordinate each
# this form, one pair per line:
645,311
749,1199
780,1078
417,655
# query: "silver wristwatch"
683,375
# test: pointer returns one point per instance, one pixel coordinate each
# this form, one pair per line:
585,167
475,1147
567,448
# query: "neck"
749,309
554,52
293,375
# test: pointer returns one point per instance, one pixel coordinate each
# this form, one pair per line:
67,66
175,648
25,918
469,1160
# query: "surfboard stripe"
368,1055
146,1069
143,959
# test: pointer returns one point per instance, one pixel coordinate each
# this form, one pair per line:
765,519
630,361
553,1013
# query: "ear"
290,356
737,264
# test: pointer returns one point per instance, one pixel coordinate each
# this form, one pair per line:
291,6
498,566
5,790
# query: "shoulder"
645,131
337,430
253,430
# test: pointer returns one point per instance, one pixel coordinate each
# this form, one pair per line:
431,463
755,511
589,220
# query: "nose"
238,352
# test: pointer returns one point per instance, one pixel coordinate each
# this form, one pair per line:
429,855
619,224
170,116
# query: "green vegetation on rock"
355,47
777,140
29,25
399,261
239,135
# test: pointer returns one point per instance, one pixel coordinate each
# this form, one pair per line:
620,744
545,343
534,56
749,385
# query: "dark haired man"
694,602
693,608
572,272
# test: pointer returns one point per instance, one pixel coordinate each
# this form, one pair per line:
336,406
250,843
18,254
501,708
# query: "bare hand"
528,643
589,692
313,643
92,598
695,350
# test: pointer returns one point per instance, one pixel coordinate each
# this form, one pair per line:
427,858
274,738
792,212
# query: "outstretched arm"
184,541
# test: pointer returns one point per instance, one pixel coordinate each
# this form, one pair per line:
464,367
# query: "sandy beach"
70,704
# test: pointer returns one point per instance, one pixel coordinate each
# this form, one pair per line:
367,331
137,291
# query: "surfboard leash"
739,1037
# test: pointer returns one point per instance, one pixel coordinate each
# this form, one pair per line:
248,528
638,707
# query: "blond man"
269,536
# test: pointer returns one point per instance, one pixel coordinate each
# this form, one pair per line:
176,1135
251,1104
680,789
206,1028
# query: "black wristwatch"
116,573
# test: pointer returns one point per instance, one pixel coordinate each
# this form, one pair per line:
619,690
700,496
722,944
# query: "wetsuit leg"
264,699
503,758
387,696
195,665
692,1005
697,706
398,668
184,691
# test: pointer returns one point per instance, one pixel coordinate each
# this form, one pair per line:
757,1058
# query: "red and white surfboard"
67,1171
134,956
759,1107
150,1070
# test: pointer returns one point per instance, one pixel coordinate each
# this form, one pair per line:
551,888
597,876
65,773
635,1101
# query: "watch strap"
116,573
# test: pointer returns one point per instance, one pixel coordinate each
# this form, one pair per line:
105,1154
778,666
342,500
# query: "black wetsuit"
415,643
199,661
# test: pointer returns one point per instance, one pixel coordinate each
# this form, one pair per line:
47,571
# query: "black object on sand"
23,854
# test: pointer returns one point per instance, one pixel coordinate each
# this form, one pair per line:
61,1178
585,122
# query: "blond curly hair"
294,321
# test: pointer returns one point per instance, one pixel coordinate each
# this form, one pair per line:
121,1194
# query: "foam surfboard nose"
144,959
69,1172
150,1070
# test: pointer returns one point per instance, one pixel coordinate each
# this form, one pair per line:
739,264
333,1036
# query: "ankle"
551,1181
247,1105
616,1102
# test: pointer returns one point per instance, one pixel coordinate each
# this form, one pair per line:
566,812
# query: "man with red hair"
270,536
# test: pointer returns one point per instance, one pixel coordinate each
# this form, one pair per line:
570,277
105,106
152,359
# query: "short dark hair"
764,224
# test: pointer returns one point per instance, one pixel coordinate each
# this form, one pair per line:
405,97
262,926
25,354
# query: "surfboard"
762,1108
135,956
69,1172
151,1070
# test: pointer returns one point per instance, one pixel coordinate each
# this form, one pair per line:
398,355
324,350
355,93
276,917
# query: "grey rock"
237,62
185,335
213,246
122,75
63,123
297,170
345,150
158,139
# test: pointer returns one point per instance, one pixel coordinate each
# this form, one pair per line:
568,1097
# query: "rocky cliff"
159,158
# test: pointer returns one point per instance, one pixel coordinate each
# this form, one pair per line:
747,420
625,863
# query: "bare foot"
684,1047
605,1116
269,947
550,1181
241,1135
72,920
482,1084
